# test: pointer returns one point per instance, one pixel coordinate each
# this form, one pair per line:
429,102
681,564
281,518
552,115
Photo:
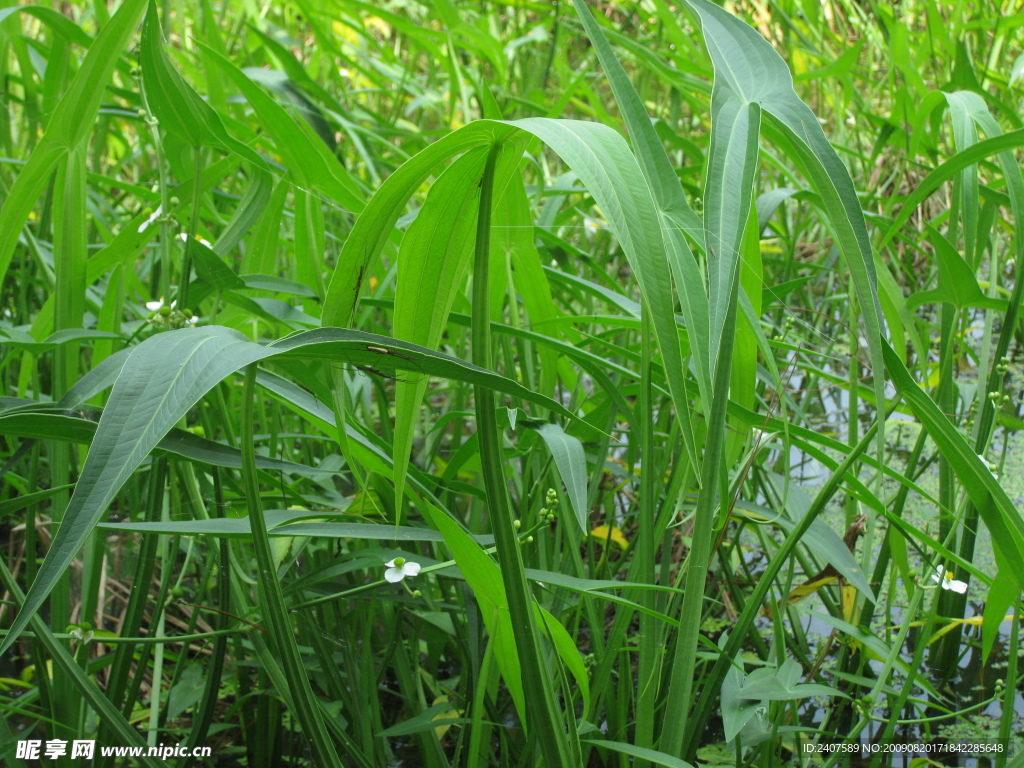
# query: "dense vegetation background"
471,384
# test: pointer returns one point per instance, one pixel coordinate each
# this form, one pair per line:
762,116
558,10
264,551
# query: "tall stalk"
684,663
649,660
281,633
543,718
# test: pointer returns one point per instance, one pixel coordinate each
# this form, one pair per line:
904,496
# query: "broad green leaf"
377,220
432,265
484,577
601,159
784,684
167,378
758,81
162,378
676,215
737,711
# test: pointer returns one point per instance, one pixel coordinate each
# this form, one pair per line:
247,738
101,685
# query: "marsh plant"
485,384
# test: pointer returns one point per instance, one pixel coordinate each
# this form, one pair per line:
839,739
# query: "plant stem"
282,636
542,716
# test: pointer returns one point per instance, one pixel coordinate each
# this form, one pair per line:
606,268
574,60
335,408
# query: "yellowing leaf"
345,32
809,588
375,22
451,714
603,533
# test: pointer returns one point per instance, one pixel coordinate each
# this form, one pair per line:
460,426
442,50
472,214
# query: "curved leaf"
71,123
162,378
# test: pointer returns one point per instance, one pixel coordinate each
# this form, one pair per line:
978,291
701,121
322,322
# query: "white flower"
945,578
399,568
153,217
154,306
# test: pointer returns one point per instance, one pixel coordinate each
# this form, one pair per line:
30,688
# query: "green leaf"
71,123
957,284
651,755
211,269
309,161
784,684
424,721
432,265
757,80
997,511
167,374
571,463
676,215
484,577
601,159
180,110
737,711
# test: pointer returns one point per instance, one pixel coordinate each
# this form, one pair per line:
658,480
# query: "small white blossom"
154,306
399,568
946,580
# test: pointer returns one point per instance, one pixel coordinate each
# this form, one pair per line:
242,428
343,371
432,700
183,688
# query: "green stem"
649,659
543,718
680,692
193,227
282,636
695,724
